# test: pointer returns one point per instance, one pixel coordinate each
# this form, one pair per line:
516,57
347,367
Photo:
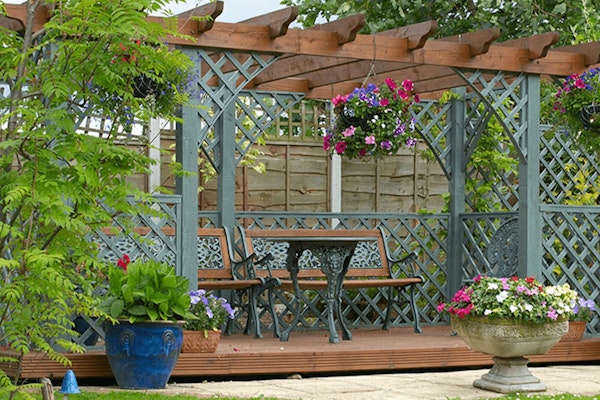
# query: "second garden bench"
370,264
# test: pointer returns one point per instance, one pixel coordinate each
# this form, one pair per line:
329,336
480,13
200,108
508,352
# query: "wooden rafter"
277,21
204,16
537,45
478,42
300,66
333,57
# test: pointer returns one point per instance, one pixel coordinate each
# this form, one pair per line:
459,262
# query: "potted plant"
148,303
374,121
510,318
202,331
578,102
583,312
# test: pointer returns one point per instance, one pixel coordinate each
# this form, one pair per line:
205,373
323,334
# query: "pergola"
264,57
263,54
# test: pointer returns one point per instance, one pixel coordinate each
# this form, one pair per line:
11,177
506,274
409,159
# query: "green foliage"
57,183
515,19
581,192
146,291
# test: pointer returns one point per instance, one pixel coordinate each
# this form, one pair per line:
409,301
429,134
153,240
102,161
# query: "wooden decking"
310,353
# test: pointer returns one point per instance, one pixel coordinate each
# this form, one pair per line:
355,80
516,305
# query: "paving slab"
574,379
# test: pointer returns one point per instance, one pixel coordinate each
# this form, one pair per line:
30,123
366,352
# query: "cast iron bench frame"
257,242
227,272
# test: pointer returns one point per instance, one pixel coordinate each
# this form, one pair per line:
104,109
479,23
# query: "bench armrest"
406,263
249,264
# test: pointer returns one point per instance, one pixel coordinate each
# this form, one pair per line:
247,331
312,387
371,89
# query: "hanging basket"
590,116
143,86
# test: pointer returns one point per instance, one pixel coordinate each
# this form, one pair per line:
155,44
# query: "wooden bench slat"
351,283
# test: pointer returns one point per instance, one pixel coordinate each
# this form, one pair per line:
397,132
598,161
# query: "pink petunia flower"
340,147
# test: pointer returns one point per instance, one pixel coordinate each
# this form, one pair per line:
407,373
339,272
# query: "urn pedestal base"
509,342
510,375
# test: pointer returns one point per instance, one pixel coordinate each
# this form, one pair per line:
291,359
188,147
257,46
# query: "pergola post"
186,152
456,139
530,222
225,129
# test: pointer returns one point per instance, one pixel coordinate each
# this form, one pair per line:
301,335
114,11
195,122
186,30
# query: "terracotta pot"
200,341
575,332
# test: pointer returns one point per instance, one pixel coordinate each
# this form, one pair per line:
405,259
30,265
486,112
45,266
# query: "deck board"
310,353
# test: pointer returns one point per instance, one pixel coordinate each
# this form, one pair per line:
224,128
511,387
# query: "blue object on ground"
69,383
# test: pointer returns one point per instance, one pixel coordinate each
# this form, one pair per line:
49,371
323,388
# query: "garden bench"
370,265
218,267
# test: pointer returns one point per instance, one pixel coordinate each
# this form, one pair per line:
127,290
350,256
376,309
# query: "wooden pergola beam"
18,12
345,28
537,45
334,56
479,41
590,52
204,15
277,21
416,35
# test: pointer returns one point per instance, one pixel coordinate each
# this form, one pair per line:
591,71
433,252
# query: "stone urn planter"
509,342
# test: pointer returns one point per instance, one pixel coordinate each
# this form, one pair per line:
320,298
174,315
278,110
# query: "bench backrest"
213,250
369,259
214,254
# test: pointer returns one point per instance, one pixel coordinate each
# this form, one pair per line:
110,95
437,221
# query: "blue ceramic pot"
142,355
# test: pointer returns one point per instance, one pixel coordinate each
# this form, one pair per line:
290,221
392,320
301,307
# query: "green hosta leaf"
153,314
169,281
138,309
116,308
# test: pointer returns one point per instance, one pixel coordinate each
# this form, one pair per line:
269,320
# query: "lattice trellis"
571,241
149,237
568,172
431,120
478,230
497,98
222,78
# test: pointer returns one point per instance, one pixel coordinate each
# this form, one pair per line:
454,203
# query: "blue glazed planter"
142,355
